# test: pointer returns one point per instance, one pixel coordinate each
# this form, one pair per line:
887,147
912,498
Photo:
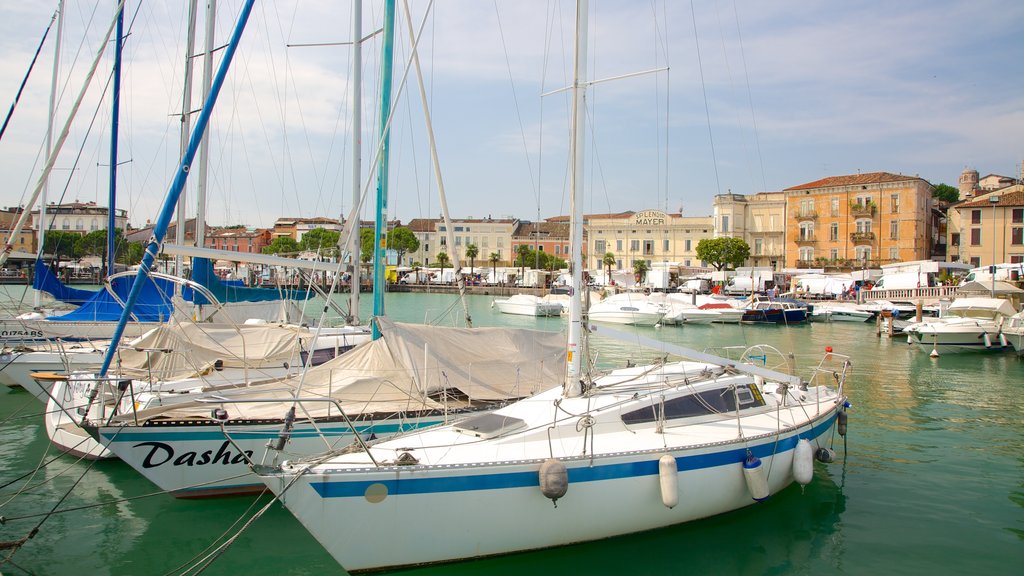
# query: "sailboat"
602,455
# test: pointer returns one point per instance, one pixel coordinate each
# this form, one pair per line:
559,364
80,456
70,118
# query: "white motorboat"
1013,331
830,312
969,324
627,308
528,305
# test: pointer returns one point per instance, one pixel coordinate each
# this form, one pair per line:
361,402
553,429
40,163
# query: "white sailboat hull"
526,305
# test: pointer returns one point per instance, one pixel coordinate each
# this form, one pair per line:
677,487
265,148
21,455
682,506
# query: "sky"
723,96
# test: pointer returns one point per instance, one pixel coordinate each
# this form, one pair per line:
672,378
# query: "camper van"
1004,272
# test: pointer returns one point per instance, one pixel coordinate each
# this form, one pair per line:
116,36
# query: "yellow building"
650,235
760,220
988,228
859,220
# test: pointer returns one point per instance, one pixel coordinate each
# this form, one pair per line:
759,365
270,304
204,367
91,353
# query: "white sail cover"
411,367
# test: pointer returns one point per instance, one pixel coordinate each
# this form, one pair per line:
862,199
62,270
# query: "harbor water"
929,480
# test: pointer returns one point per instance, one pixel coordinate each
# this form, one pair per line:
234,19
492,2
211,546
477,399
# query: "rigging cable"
24,81
704,91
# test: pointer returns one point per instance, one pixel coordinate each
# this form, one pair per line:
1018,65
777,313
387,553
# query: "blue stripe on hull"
343,489
157,434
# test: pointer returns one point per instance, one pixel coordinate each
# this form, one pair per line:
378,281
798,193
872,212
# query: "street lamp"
993,200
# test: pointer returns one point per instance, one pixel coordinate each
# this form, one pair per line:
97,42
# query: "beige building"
988,227
79,217
490,235
758,219
650,235
859,220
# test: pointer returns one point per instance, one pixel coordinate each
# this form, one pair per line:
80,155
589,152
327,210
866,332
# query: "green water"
932,482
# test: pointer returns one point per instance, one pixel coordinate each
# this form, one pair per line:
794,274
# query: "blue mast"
380,223
112,196
164,218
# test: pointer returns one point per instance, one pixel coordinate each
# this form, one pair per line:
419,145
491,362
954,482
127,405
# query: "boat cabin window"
708,402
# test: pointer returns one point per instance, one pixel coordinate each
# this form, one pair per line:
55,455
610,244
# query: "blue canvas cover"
45,281
153,305
202,272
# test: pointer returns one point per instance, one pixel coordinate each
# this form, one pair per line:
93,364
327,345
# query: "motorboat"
763,310
627,308
968,324
831,312
528,305
1013,331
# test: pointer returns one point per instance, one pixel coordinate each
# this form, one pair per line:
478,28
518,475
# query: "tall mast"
186,123
356,85
114,118
380,223
576,344
180,177
204,149
42,224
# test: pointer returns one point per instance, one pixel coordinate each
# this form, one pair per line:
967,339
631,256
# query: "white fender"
988,340
753,473
803,462
668,473
1002,340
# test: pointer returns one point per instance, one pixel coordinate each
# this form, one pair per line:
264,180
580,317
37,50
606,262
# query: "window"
501,242
79,224
806,254
955,239
94,225
458,229
725,224
618,245
806,231
833,231
666,247
634,245
894,203
1018,215
486,242
863,253
833,254
807,207
834,207
975,216
975,261
894,229
648,247
444,240
598,247
688,244
458,240
864,225
758,245
706,403
1016,259
558,248
894,254
1017,235
66,225
975,236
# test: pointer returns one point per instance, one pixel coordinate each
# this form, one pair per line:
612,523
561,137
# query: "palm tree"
442,259
471,252
494,257
608,261
640,268
524,251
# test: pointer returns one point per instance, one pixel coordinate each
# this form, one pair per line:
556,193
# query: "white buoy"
554,479
988,340
1002,340
803,462
935,353
757,483
668,473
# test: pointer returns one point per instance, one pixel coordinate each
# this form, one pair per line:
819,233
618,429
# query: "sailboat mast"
114,118
204,149
180,177
186,123
380,223
356,84
576,345
42,225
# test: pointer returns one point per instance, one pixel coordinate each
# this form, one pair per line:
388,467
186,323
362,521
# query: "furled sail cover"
411,367
202,273
153,305
45,281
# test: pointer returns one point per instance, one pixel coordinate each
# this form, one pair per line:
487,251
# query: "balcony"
858,209
804,215
805,240
862,237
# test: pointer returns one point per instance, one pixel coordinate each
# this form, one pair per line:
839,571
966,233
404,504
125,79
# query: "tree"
471,252
130,253
282,245
640,269
723,251
443,260
608,261
494,257
946,193
321,241
60,245
366,244
403,241
524,253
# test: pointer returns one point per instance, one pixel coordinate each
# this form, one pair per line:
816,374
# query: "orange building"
859,220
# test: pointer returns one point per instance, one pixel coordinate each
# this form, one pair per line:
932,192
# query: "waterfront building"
27,240
548,237
988,227
78,217
759,219
490,235
295,228
653,236
143,234
859,220
238,239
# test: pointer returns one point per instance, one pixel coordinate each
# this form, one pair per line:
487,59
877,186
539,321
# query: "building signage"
650,218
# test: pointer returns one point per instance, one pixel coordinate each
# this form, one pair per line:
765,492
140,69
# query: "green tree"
640,269
92,244
282,245
322,241
130,253
608,261
442,261
946,193
402,240
471,252
723,251
494,257
60,245
366,244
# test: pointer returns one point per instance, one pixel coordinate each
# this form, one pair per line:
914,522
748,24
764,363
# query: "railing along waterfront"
925,293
